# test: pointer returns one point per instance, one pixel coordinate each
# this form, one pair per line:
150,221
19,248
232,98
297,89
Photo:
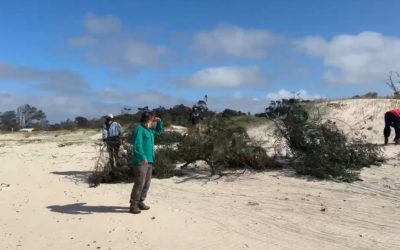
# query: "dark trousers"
142,181
113,148
391,121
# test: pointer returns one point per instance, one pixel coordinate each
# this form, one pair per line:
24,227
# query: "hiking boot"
386,141
143,206
134,209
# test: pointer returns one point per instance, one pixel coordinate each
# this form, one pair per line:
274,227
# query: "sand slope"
358,118
47,205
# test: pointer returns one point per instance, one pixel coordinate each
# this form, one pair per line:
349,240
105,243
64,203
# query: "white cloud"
243,103
285,94
144,98
101,24
58,81
82,41
119,50
127,54
143,54
227,77
5,98
355,59
235,41
237,95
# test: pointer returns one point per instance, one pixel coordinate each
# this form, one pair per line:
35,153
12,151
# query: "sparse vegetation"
369,95
104,174
322,150
223,145
165,164
315,148
393,81
169,137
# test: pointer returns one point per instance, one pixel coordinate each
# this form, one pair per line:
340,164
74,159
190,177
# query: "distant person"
392,119
143,158
195,118
112,133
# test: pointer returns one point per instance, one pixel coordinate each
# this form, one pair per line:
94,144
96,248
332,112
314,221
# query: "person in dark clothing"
112,132
392,119
195,117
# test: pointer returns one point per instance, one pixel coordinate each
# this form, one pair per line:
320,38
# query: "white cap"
111,116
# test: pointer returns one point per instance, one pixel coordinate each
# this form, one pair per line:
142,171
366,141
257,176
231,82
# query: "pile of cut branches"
320,149
222,145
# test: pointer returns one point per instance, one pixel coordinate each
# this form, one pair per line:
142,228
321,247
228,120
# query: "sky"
90,58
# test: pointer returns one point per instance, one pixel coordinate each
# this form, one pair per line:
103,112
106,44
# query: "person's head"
147,118
109,117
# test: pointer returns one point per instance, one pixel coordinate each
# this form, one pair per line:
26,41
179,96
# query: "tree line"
28,116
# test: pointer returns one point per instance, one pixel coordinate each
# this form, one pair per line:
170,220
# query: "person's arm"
159,129
105,133
120,130
137,142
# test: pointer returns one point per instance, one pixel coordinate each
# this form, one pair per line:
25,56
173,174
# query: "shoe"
134,209
143,206
386,141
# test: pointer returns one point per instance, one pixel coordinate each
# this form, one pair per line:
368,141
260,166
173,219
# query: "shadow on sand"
81,176
82,208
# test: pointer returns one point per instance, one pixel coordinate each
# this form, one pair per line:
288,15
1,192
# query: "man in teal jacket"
143,158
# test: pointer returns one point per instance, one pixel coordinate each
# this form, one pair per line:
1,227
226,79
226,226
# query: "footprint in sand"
4,186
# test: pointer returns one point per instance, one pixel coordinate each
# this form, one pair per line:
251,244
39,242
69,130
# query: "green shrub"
223,145
165,163
322,150
169,137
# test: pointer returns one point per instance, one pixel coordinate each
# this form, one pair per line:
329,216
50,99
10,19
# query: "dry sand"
45,203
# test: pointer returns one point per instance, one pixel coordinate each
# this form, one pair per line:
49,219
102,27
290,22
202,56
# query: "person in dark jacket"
194,118
112,132
392,119
143,158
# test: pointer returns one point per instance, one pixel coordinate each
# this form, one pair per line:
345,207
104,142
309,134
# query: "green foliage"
104,174
30,116
248,121
81,122
165,163
369,95
228,113
285,107
169,137
322,150
8,121
222,145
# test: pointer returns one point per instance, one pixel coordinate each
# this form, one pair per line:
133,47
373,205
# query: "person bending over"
392,119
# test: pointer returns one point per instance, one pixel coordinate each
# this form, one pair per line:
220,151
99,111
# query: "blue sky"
89,58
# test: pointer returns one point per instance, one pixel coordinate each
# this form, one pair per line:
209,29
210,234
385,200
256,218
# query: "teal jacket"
143,143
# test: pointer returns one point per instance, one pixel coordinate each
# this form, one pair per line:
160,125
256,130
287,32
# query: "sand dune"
45,202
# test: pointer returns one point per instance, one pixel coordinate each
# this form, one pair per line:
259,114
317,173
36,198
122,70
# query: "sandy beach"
46,203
